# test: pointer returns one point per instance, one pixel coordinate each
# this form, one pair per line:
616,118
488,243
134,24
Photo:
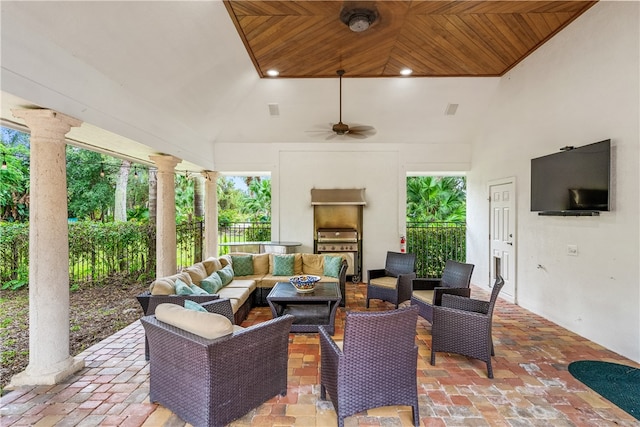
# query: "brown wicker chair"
213,382
393,282
455,280
376,365
463,326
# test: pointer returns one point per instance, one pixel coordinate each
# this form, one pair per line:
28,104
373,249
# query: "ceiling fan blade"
332,136
361,129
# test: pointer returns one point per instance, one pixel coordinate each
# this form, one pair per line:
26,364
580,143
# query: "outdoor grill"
338,225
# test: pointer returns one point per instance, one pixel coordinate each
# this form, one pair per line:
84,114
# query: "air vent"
451,109
274,109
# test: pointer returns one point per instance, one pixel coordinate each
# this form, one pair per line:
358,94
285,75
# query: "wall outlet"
572,250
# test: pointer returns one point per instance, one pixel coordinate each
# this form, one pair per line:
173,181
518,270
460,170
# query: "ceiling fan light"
358,20
359,23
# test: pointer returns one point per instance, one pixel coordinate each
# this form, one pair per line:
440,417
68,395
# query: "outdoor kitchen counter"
264,247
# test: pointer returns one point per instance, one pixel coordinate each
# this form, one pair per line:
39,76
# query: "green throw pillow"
283,265
212,284
242,265
182,288
226,274
192,305
197,290
332,265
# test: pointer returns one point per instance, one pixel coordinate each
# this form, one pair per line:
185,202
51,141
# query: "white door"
503,235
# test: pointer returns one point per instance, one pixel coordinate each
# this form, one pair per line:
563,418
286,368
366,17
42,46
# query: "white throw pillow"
207,325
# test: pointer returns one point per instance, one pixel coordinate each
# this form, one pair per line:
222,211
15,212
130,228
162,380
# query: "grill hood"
338,196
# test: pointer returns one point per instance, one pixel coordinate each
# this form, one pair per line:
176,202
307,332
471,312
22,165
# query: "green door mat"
618,384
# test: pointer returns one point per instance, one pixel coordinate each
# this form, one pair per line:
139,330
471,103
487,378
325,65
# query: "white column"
166,260
49,359
211,213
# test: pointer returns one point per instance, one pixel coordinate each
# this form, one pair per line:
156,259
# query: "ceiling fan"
358,132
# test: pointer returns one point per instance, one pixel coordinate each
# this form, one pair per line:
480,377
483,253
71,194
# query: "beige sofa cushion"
313,264
424,296
237,296
211,264
385,282
260,264
206,325
197,272
167,285
245,283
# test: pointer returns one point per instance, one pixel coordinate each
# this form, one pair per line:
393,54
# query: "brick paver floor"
532,386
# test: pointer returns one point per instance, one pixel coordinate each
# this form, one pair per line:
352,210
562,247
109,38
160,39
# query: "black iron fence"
98,252
434,243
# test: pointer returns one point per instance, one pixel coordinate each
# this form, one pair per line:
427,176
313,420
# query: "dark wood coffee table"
313,309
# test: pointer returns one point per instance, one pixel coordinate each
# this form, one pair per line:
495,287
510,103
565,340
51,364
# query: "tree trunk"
153,213
153,195
120,209
198,197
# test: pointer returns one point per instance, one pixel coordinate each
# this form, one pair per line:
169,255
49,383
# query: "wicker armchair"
376,365
213,382
455,280
463,326
393,282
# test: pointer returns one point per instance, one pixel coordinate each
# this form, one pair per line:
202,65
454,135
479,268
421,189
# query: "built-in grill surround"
337,225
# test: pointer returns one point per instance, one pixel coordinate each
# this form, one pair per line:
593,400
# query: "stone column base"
52,376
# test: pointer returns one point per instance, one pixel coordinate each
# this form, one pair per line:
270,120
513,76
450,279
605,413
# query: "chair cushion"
424,296
197,290
197,272
261,264
313,264
182,288
212,283
385,282
192,305
226,274
167,286
211,264
204,324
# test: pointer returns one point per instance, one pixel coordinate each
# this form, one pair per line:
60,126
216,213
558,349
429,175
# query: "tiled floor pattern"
532,386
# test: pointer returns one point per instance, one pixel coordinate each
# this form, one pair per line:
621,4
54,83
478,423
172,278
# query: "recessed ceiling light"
406,71
273,73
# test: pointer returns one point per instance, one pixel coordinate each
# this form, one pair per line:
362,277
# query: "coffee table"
313,309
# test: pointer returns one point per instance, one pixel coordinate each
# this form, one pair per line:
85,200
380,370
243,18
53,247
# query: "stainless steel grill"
339,241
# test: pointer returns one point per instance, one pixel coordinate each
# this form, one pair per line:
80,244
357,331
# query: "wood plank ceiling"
433,38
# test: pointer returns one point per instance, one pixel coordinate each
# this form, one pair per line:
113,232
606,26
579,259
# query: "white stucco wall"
580,87
379,168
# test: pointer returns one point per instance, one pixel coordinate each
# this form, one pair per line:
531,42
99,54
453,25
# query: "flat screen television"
574,181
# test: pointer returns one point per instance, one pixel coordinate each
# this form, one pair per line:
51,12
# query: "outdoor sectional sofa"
252,278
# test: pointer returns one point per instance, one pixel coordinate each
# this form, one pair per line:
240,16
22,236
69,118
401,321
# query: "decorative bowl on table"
304,283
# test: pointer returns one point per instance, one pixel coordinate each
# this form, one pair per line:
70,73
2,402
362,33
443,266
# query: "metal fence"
99,252
434,243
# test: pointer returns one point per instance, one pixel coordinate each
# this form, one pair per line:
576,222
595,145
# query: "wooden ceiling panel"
434,38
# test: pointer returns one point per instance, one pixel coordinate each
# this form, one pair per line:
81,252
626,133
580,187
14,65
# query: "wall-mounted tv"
574,181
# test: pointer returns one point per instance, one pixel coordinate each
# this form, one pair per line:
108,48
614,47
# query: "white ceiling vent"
274,109
451,109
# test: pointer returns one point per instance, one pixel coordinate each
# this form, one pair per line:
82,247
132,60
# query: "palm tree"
433,198
258,204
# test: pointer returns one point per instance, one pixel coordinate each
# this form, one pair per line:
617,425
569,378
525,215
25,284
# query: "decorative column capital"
210,176
165,162
46,123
